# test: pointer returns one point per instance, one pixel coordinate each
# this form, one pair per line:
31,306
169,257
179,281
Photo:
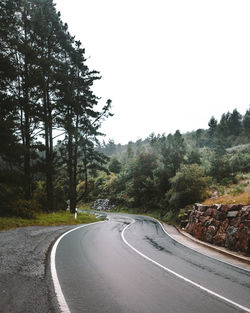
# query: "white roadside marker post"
75,213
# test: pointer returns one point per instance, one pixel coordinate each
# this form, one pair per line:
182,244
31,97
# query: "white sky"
165,64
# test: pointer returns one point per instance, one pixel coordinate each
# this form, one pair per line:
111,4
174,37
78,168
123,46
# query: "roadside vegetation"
232,193
47,219
164,175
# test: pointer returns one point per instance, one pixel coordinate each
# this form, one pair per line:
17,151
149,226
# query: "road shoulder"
25,280
215,252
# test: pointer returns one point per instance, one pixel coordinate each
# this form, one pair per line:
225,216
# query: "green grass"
50,219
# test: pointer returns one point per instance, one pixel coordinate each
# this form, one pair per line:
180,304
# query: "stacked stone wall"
223,225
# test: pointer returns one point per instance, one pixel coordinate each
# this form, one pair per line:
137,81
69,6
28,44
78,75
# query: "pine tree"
246,123
173,152
212,130
235,123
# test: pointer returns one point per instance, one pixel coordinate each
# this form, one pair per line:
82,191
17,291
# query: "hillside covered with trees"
168,172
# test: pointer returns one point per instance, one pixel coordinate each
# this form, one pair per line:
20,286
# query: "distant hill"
232,131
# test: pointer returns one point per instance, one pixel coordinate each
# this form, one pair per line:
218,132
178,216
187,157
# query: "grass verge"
49,219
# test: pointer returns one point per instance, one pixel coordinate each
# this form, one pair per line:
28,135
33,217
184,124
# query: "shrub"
221,168
237,190
115,165
8,195
24,208
39,195
189,185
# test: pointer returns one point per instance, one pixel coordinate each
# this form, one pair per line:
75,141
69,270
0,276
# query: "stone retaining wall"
222,225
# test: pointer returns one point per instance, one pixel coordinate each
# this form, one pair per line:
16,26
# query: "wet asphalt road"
99,273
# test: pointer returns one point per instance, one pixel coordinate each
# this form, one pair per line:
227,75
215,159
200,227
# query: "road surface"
130,265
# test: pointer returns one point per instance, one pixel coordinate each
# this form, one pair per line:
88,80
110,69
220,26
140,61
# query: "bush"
221,168
189,185
115,165
24,208
236,190
8,195
39,195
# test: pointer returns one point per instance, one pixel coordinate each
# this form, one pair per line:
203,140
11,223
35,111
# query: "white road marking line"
58,290
180,276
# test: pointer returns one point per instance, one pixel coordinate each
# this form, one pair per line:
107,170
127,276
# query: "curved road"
130,265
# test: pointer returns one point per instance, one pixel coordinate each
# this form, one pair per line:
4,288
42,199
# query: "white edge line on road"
197,251
180,276
58,290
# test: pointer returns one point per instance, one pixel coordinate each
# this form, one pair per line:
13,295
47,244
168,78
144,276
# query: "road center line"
180,276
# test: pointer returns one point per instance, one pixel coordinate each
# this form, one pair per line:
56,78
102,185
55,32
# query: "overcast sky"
165,65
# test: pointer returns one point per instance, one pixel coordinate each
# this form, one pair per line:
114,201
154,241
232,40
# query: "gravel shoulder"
25,280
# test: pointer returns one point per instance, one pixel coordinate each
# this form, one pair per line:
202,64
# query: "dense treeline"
232,129
166,173
45,92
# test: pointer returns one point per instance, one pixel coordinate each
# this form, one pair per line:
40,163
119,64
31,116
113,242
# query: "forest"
165,173
45,95
51,153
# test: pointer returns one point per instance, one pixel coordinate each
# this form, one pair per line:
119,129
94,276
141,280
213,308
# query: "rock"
235,207
198,214
209,212
232,213
183,223
219,238
199,231
246,208
192,214
189,227
243,242
211,231
217,206
209,221
224,208
208,237
204,219
221,216
247,223
231,237
243,216
235,222
102,205
215,222
224,225
215,213
201,207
